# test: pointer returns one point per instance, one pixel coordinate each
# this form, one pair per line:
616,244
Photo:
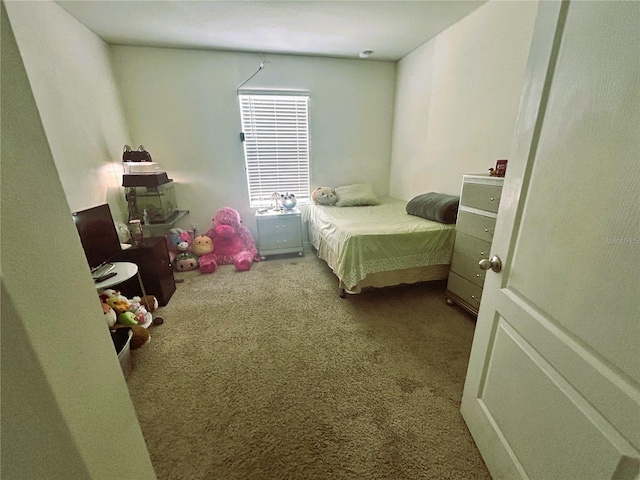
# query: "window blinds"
276,146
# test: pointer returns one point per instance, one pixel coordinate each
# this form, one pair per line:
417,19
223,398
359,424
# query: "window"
276,146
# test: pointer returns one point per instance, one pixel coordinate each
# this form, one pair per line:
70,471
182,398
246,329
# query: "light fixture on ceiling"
365,53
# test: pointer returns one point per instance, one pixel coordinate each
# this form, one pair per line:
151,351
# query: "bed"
379,245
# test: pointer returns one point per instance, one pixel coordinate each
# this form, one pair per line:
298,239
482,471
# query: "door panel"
553,385
519,380
589,115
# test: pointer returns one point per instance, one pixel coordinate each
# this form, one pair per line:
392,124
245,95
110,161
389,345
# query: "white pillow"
357,194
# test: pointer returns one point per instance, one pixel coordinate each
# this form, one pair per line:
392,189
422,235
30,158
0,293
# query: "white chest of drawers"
479,201
279,232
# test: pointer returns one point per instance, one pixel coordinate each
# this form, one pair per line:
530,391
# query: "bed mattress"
357,241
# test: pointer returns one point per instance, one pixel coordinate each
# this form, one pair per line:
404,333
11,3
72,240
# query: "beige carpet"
269,374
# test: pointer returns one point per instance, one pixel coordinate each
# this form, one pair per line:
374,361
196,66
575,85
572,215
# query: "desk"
124,271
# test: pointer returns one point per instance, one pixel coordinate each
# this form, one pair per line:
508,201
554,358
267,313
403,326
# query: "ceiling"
391,28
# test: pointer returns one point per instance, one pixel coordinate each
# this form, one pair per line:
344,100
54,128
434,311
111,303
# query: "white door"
553,385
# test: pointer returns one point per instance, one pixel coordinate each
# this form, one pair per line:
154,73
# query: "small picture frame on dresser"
501,168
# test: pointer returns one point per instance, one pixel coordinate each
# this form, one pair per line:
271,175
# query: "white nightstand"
279,231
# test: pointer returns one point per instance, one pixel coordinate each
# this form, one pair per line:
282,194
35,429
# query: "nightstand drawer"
483,197
476,225
464,289
271,239
467,268
471,247
280,229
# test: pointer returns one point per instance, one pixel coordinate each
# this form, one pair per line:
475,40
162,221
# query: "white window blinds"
276,146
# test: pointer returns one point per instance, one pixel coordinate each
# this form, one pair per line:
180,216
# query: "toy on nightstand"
232,241
288,201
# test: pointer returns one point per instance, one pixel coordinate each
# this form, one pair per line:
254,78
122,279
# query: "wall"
70,74
182,106
66,411
457,97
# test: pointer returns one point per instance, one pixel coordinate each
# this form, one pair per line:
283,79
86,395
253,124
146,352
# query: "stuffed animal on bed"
232,241
324,196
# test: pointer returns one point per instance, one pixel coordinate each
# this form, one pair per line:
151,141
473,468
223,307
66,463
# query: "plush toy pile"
120,312
179,246
227,242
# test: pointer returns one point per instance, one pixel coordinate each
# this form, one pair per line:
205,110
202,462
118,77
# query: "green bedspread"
356,241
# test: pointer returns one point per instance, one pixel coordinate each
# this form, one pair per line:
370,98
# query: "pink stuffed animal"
232,241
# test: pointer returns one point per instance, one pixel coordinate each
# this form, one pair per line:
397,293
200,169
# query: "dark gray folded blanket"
435,206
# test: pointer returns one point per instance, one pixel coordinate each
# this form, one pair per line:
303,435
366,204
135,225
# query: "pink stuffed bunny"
232,241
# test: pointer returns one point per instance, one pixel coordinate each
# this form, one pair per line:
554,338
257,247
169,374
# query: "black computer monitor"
98,235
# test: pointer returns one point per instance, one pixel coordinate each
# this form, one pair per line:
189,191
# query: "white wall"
182,106
457,97
70,74
66,411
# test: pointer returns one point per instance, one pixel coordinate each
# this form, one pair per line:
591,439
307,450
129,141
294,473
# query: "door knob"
494,263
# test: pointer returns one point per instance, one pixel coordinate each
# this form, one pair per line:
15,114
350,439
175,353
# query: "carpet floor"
269,374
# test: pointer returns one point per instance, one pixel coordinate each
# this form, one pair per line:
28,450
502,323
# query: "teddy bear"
150,302
324,196
232,241
203,247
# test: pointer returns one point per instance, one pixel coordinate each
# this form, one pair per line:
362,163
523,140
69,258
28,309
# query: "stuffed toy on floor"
179,245
232,241
203,248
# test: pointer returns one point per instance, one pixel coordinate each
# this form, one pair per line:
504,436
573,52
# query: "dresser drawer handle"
479,276
488,230
483,253
492,199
